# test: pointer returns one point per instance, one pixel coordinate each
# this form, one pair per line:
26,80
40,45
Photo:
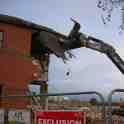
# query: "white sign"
19,116
2,112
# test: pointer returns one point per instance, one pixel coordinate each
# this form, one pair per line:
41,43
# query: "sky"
89,70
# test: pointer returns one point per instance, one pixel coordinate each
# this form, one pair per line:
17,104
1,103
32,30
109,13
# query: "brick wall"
16,38
16,69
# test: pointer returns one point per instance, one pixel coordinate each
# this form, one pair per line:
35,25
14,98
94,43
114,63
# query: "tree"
108,6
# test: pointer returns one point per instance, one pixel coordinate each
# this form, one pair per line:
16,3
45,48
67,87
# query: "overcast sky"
90,70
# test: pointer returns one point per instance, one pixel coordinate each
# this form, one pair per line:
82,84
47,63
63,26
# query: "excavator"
57,43
54,42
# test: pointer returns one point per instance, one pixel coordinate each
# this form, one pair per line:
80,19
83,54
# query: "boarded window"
1,39
1,88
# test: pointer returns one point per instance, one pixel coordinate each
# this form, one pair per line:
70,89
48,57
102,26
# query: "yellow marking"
83,44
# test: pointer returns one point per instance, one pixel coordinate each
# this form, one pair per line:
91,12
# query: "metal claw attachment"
75,29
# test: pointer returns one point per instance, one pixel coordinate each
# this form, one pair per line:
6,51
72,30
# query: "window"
37,87
1,89
1,93
1,39
34,89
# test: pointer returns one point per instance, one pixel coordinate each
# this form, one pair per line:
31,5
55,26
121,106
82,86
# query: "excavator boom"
56,43
100,46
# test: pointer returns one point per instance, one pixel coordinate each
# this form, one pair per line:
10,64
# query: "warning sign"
60,117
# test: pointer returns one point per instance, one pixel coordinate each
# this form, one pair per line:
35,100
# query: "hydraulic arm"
47,41
100,46
78,39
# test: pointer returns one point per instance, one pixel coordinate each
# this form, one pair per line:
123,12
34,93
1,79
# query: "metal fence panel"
113,119
22,116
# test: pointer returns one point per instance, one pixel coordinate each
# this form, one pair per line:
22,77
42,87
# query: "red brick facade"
16,68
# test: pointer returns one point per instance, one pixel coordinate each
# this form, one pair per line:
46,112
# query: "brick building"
18,60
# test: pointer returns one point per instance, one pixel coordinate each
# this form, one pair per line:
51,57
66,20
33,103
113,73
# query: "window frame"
3,39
